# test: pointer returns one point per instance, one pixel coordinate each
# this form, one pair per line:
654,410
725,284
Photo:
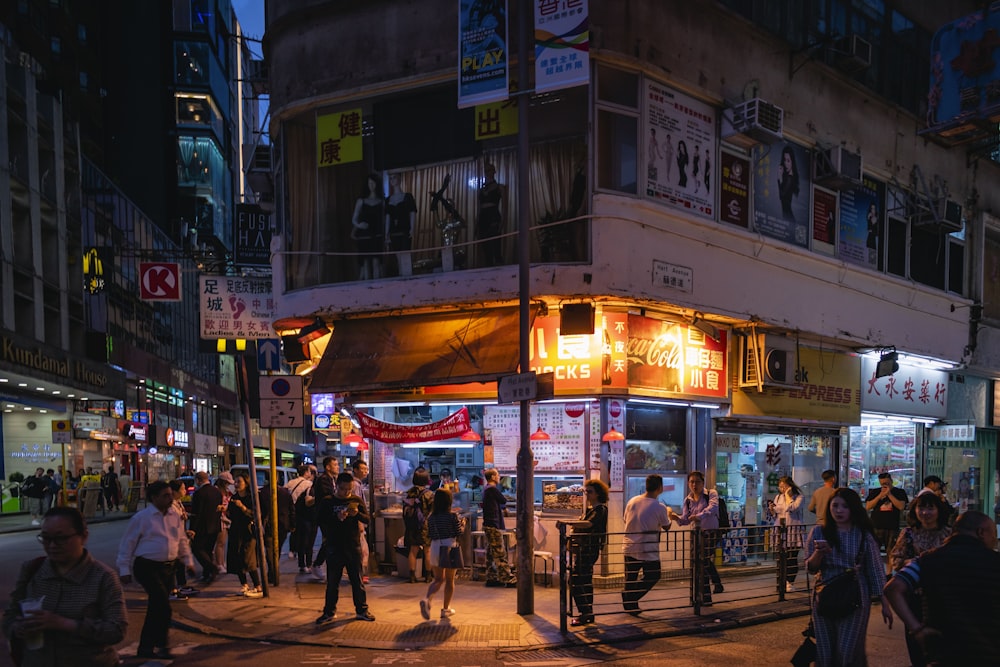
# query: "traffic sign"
519,387
268,355
62,431
281,403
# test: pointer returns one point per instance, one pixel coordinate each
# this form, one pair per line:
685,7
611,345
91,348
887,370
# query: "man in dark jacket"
206,522
286,520
324,488
33,489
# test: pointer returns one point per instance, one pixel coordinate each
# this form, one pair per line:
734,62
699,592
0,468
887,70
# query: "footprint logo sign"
237,306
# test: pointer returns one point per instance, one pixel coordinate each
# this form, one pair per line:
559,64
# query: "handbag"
840,596
805,655
450,557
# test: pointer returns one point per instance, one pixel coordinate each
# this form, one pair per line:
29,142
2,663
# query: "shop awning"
419,350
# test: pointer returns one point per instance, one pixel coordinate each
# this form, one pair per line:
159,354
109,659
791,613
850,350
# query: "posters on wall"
781,187
680,140
563,451
824,221
482,52
861,213
734,190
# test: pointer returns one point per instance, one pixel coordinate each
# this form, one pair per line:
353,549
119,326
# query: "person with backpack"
417,507
702,507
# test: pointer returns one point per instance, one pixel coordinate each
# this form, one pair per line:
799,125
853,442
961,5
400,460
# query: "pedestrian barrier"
695,569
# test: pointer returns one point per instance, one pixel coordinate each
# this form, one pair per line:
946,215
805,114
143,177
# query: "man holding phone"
348,513
886,503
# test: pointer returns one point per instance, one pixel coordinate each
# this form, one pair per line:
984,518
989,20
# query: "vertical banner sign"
562,44
338,138
234,307
252,236
482,52
679,133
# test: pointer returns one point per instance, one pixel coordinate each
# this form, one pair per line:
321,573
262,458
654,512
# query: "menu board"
564,422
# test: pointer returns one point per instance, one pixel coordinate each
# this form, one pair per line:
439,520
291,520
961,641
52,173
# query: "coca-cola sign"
675,358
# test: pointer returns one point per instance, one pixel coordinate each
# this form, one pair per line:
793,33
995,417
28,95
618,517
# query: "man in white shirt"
153,545
645,516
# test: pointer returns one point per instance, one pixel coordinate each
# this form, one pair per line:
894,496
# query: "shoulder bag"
840,595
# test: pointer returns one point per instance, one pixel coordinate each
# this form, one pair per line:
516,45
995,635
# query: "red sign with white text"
676,358
452,426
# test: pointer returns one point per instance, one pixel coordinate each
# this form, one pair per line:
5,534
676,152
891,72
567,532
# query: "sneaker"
789,587
447,612
244,589
364,579
36,522
254,593
188,590
326,618
365,616
425,609
177,596
317,573
303,570
718,589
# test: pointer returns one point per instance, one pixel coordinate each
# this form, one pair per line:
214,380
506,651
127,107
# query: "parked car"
284,474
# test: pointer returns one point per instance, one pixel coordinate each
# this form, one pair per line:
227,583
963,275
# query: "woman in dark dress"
241,553
587,544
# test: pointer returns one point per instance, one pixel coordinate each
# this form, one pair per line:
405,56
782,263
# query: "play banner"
452,426
483,63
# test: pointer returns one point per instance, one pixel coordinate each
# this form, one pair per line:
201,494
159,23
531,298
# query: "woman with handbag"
844,555
588,540
241,554
444,527
927,529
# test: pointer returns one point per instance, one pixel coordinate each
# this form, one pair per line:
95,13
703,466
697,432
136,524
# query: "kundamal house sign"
828,391
44,363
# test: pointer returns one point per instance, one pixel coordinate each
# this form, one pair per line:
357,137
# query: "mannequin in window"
368,228
400,218
491,196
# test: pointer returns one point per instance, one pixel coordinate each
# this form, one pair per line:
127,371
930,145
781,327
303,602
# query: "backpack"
413,511
723,514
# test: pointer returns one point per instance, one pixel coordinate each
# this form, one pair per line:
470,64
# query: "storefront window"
748,467
883,446
966,468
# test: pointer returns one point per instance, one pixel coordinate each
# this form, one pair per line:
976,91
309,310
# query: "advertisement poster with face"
734,195
679,135
781,188
861,223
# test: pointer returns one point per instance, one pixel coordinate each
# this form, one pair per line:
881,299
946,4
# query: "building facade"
752,253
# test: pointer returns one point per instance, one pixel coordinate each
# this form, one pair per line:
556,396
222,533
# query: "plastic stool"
547,569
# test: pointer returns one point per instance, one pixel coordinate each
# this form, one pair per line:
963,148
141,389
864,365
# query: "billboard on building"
483,58
562,44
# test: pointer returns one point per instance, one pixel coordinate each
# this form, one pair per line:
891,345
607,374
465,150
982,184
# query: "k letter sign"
159,281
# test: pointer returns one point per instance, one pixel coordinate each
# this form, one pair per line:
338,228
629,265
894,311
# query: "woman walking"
846,542
241,554
788,508
444,527
588,540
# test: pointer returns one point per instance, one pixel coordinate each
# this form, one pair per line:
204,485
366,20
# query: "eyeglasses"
589,491
55,539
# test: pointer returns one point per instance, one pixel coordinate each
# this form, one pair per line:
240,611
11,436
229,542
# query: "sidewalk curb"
27,527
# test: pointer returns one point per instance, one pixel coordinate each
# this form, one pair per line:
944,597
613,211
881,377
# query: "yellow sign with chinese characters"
496,120
338,138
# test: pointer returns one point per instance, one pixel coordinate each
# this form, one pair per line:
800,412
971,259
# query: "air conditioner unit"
837,168
256,76
851,54
767,360
753,122
943,215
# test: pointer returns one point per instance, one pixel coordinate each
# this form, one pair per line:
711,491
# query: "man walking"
960,581
33,490
645,516
347,514
821,497
886,503
206,522
154,544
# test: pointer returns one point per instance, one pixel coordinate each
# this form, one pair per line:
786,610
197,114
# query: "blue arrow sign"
268,356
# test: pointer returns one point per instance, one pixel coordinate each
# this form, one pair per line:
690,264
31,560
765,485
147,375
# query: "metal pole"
272,534
254,490
525,458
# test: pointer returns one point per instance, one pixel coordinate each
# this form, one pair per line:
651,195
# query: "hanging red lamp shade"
613,434
540,435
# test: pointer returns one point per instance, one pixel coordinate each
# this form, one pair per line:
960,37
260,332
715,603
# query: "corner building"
756,250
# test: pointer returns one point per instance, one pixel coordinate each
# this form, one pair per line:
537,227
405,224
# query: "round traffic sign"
280,387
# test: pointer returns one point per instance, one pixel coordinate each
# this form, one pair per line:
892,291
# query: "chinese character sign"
338,138
498,119
676,358
562,44
681,156
482,52
233,307
911,390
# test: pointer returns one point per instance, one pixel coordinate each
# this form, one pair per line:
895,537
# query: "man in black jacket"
33,489
206,522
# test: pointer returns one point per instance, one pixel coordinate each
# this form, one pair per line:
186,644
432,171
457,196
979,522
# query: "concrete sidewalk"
486,617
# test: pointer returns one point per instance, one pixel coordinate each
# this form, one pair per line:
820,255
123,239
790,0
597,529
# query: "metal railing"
752,563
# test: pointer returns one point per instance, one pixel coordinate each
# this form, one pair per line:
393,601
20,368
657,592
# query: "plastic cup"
33,640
